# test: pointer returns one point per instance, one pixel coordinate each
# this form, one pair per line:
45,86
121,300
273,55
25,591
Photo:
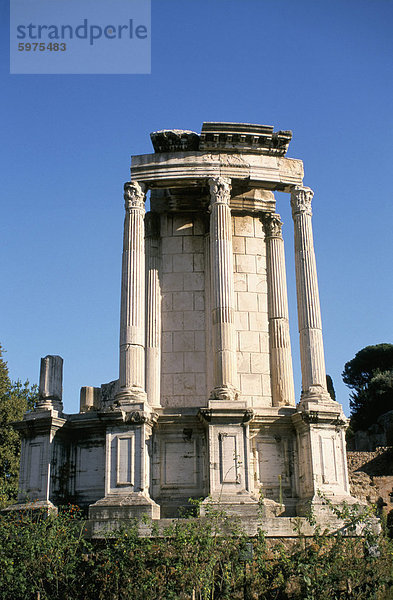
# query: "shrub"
49,557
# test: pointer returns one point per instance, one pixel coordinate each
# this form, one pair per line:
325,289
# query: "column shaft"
51,384
132,313
309,312
222,294
153,306
283,392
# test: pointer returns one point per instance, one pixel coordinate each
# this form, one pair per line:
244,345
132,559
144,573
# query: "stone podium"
204,406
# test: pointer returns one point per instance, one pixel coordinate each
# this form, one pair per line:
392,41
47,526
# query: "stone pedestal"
322,456
42,454
127,470
227,426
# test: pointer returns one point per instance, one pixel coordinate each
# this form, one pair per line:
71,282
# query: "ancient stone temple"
204,406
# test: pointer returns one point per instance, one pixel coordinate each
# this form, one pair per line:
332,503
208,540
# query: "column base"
318,403
53,407
114,507
45,506
130,397
326,516
323,509
241,504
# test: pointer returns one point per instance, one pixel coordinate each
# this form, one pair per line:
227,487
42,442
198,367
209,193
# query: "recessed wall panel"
125,461
35,467
180,464
228,458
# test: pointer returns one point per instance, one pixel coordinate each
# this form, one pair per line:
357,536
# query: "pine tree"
370,375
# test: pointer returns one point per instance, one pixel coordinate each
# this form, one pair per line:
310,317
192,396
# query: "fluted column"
132,313
283,392
222,293
153,311
309,312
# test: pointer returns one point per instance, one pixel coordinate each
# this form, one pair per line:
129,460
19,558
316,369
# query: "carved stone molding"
249,414
175,140
139,417
272,224
310,417
220,190
301,198
340,424
134,195
205,415
224,393
244,137
226,414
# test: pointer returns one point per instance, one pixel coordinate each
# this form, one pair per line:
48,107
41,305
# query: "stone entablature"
174,140
205,404
235,137
177,169
244,137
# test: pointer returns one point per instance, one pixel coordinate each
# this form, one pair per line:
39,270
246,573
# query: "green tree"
370,376
15,399
330,387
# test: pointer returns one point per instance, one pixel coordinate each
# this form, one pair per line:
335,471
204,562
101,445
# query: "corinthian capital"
220,190
272,225
134,195
301,198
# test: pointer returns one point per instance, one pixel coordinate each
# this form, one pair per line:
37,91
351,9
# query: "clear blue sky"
322,68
